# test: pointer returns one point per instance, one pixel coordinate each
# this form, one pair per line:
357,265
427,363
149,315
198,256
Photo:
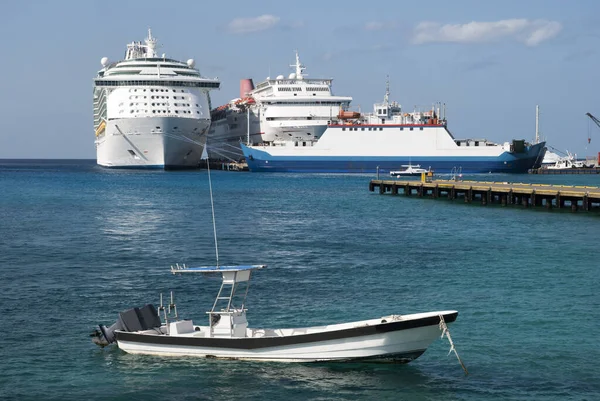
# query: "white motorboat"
567,162
409,170
400,338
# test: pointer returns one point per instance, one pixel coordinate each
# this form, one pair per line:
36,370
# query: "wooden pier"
501,193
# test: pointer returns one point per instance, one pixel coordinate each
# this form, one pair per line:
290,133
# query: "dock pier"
501,193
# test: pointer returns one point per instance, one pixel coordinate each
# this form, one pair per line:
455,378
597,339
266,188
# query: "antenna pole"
248,124
212,207
537,124
387,90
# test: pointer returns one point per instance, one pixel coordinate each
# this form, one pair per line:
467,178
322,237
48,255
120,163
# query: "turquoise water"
78,244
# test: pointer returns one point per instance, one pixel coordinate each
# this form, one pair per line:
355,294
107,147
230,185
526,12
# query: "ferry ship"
151,111
295,107
388,138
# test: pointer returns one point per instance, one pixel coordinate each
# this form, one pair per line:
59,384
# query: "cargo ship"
388,138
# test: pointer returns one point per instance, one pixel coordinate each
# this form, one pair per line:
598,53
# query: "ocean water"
79,243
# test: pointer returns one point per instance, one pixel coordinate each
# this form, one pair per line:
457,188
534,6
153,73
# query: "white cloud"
529,32
379,25
374,26
256,24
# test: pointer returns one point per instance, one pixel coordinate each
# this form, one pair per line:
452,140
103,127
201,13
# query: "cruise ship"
285,108
388,138
150,111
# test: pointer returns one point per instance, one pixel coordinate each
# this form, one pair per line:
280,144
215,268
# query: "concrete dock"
502,193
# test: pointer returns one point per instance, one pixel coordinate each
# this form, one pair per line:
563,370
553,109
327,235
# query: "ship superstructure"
285,108
150,111
388,138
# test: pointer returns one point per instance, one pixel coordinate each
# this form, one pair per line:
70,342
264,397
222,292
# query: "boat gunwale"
277,341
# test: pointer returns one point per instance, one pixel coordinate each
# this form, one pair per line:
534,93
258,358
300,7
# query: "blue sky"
490,62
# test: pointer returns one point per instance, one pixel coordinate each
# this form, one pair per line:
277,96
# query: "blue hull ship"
386,139
272,158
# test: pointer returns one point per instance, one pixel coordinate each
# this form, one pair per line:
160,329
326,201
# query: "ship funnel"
246,86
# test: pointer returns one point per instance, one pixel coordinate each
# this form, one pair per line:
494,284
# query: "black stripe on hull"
267,342
405,357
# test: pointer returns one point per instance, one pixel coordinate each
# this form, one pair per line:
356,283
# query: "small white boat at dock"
409,170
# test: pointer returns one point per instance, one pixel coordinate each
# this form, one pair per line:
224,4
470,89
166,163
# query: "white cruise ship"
285,108
150,111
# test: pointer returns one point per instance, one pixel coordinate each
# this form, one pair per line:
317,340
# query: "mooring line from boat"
446,332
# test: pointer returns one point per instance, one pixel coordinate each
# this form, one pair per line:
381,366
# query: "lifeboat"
247,100
101,128
346,115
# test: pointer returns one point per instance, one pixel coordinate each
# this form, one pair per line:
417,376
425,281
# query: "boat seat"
181,327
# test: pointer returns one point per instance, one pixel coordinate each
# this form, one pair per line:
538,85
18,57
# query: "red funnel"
246,86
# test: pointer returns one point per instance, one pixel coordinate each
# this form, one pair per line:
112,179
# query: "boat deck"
503,193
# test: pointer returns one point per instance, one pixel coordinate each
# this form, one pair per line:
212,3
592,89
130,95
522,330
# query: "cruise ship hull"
152,142
389,148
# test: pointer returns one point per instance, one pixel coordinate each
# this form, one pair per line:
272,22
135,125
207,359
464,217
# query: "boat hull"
368,149
260,160
153,142
400,341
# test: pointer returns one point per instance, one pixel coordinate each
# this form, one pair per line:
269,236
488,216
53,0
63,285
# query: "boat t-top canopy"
231,274
214,269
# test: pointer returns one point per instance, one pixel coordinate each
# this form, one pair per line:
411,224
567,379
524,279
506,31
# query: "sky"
491,62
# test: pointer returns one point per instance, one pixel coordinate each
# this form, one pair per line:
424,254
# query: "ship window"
131,152
176,112
362,129
303,143
401,128
380,128
197,112
197,105
154,111
421,128
411,128
344,129
157,127
476,143
296,143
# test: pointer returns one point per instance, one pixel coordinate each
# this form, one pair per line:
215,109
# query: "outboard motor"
135,319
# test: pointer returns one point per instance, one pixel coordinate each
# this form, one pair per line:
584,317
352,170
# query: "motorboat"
398,338
567,162
409,170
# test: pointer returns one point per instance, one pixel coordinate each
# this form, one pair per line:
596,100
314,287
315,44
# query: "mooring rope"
446,332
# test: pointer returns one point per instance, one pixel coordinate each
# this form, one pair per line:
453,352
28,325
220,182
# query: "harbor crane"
595,120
